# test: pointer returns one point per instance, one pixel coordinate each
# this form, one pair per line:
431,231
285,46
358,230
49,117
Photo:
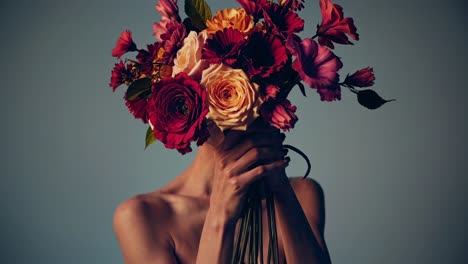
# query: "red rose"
177,109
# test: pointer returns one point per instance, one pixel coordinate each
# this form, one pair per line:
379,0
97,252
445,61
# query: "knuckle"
235,185
260,170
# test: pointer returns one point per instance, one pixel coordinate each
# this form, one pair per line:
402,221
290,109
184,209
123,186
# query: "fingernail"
287,159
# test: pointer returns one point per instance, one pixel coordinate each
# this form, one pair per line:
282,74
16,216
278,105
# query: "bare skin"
193,218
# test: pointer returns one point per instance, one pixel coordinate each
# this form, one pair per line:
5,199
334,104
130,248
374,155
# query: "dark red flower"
173,39
138,108
279,114
121,74
254,7
177,109
282,21
224,46
263,55
362,78
334,27
330,93
270,91
124,44
168,9
153,53
294,5
317,65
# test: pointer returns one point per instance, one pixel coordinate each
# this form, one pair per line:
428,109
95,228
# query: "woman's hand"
240,160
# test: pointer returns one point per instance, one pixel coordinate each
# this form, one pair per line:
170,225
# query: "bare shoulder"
140,226
311,197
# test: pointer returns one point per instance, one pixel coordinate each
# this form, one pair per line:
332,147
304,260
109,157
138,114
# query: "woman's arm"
300,216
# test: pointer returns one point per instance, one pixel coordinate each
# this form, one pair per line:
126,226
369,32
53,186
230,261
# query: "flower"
177,109
294,5
121,74
168,9
137,107
236,18
270,92
280,115
254,7
124,44
263,55
282,21
160,28
362,78
172,39
330,93
224,47
190,54
334,27
317,65
233,100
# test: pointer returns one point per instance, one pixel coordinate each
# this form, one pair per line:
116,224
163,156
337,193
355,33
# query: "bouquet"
230,68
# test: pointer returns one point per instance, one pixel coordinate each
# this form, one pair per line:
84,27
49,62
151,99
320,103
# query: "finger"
244,180
257,156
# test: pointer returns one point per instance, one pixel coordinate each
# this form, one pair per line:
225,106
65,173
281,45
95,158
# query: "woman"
193,218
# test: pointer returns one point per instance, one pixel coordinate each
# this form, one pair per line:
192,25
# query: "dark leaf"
302,88
370,99
137,88
189,26
150,139
198,11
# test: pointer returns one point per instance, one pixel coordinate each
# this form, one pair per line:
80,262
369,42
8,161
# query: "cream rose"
236,18
233,100
188,58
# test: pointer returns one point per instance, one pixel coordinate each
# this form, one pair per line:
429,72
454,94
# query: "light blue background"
394,178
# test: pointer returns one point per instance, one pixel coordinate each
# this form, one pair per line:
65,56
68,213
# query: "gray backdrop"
394,178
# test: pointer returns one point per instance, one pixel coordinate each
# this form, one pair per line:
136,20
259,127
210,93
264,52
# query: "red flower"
362,78
124,44
270,92
282,21
223,47
254,7
334,27
280,115
137,107
263,55
177,110
294,5
330,93
317,66
173,39
168,9
121,74
147,57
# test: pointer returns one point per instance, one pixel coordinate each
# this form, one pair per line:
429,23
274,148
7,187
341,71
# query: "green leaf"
198,11
150,139
138,87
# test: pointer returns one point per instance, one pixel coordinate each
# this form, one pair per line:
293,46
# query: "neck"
196,180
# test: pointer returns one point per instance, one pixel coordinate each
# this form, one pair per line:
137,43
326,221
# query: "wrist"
219,220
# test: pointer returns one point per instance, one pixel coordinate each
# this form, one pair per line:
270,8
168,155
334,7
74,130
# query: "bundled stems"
249,238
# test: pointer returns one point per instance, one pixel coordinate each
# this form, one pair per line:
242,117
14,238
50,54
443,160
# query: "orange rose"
236,18
233,100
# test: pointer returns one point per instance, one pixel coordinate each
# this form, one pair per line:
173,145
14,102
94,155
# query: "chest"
187,234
